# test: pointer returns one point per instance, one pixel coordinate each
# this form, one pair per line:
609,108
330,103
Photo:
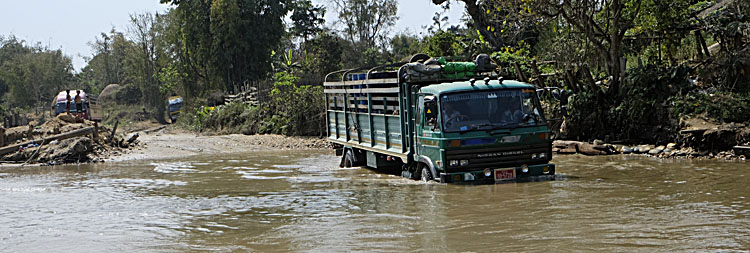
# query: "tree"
442,44
228,42
366,21
106,66
404,46
323,55
307,19
502,23
440,19
34,75
144,60
10,48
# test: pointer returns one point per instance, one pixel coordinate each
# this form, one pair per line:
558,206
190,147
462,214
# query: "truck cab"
174,106
60,104
443,121
481,131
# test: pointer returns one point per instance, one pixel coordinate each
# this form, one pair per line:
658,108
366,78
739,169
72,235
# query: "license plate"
505,174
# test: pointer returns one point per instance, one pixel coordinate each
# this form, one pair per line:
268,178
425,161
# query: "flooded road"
301,201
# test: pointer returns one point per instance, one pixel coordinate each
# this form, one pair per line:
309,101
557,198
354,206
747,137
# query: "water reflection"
301,201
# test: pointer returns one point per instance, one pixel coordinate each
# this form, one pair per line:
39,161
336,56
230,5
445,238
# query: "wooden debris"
63,136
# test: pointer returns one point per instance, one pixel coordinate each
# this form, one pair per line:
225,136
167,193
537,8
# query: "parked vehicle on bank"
173,108
74,101
443,121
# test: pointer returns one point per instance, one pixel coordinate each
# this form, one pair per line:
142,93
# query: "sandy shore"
170,143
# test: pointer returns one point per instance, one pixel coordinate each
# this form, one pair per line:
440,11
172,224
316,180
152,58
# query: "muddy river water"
302,201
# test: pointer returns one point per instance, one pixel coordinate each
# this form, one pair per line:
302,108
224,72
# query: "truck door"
426,123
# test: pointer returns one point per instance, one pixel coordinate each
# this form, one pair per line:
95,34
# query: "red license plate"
505,174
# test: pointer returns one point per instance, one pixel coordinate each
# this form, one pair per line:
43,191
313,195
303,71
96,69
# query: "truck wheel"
348,159
426,175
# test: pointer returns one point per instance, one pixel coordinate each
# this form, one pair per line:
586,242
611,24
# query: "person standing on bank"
79,102
67,101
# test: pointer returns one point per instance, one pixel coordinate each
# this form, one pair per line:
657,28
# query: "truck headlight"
453,163
542,155
533,156
464,162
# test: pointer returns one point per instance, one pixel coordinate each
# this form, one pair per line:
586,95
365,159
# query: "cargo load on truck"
439,120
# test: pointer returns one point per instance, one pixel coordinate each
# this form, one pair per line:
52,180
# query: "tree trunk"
703,44
480,22
698,46
615,49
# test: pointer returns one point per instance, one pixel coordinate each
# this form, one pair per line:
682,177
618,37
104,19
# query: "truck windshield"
175,107
490,110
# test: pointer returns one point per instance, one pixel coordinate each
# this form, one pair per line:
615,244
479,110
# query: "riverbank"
697,138
170,142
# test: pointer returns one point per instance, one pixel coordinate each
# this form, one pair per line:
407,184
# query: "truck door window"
430,111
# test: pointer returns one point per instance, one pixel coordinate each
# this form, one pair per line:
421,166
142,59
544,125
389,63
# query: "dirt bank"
60,140
172,143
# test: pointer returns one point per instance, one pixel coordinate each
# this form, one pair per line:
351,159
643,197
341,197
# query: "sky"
70,25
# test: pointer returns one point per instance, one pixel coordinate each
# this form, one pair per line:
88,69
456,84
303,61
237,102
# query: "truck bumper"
522,173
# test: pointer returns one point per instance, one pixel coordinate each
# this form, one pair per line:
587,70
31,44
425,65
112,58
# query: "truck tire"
426,175
348,159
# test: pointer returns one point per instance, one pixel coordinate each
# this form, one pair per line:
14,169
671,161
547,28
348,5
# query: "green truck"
438,120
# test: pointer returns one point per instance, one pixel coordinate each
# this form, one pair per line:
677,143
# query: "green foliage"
724,106
643,114
366,21
647,90
107,65
322,55
404,46
32,75
292,110
443,43
506,57
307,19
170,78
458,44
731,27
226,42
295,107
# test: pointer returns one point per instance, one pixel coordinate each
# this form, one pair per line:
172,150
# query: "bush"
297,109
641,115
507,57
292,110
726,107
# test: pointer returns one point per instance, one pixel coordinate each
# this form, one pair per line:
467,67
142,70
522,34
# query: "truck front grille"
498,157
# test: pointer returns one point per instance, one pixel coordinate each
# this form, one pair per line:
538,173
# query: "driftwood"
148,131
63,136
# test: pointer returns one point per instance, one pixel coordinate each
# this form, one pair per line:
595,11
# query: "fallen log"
63,136
741,150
